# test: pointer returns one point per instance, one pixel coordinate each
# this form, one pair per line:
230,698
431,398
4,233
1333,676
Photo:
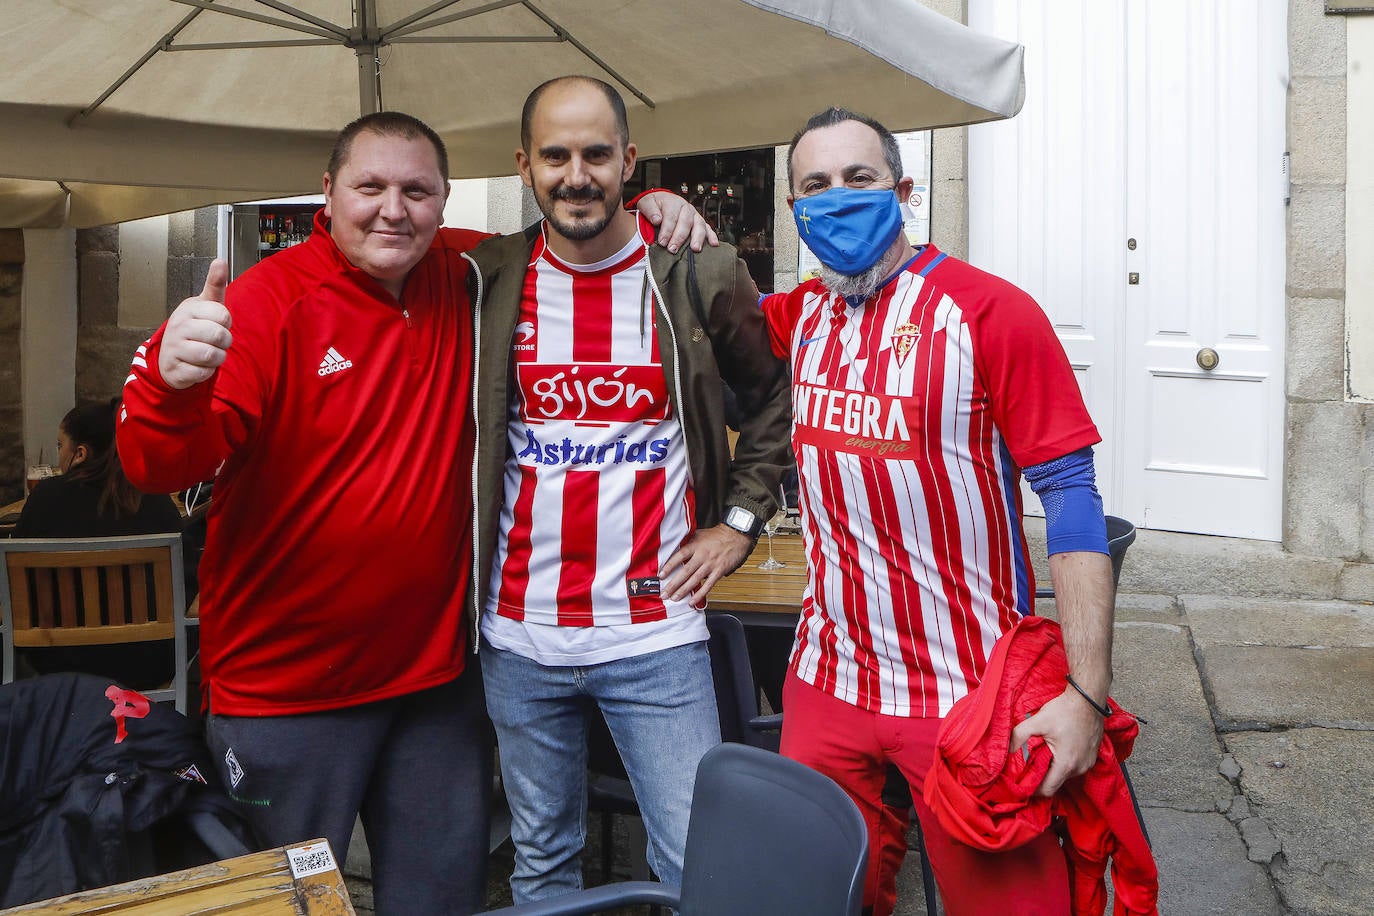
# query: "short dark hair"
622,121
832,116
386,124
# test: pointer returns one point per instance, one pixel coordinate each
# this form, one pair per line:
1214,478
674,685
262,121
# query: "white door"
1139,197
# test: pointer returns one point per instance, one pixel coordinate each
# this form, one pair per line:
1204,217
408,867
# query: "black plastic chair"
767,835
736,696
1120,535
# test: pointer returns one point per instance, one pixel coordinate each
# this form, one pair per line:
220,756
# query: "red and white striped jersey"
912,415
597,494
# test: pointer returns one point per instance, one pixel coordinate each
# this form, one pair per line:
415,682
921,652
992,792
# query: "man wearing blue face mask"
923,389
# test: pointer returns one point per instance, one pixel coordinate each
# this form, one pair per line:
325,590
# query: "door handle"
1208,359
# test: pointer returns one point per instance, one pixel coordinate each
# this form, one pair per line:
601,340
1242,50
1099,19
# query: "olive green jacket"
733,345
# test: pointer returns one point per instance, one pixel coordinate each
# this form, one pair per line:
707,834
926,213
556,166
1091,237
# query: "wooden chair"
95,591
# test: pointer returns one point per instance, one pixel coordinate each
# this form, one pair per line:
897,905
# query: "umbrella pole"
369,80
367,40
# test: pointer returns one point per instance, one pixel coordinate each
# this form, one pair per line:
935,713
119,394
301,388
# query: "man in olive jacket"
607,499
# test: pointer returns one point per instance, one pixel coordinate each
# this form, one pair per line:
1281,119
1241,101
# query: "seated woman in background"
93,498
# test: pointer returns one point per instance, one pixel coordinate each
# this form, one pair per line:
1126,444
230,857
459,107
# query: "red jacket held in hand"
983,791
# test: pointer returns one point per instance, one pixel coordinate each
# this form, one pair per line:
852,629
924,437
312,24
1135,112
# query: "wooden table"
14,509
762,597
301,880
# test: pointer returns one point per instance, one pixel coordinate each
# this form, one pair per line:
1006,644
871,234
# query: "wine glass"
770,528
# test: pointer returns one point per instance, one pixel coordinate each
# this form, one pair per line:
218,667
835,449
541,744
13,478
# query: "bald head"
613,99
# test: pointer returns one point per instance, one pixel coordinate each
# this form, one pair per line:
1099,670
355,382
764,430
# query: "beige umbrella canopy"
148,106
33,204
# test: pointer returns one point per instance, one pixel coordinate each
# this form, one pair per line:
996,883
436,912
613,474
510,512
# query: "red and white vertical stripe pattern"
917,562
597,494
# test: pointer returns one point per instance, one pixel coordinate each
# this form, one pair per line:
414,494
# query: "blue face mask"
847,228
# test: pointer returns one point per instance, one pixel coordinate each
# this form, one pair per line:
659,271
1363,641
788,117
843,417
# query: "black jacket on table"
88,799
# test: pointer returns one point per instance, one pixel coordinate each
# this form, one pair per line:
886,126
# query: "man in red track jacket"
328,391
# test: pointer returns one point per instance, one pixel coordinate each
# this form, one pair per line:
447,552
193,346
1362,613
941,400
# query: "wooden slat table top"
751,590
260,884
13,509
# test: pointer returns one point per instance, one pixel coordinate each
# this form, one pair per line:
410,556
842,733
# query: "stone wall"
192,240
97,271
1329,458
104,347
11,391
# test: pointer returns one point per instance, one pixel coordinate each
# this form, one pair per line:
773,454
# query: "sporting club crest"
903,339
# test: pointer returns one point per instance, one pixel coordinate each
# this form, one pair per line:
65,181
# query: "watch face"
740,519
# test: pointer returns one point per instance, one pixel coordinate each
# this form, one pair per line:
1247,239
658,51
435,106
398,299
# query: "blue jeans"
661,711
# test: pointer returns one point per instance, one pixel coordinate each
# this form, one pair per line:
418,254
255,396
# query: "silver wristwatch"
743,521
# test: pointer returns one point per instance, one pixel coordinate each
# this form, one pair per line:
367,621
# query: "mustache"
579,195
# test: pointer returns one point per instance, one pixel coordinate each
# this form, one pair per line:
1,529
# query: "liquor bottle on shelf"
288,237
698,200
269,231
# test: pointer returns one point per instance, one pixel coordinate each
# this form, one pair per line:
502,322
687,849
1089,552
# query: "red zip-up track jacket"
339,546
984,793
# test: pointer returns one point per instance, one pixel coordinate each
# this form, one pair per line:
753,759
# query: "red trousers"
855,747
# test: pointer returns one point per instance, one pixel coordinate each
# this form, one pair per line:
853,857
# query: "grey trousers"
418,768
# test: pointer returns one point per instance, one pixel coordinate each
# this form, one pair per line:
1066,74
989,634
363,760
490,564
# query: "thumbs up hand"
197,337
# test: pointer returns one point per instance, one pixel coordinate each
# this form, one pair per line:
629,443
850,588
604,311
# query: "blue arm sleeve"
1067,488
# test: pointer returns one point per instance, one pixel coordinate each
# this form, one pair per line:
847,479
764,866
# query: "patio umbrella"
149,106
32,204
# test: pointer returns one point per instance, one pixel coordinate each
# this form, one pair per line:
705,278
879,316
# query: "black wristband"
1102,709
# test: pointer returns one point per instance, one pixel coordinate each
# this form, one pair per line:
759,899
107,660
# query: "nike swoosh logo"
810,340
